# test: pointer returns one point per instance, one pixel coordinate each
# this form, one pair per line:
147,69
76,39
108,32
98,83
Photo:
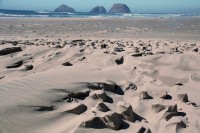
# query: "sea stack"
120,8
98,10
64,8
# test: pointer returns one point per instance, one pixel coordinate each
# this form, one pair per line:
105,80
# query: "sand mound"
99,85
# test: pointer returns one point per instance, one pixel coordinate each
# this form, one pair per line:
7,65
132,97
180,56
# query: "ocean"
47,14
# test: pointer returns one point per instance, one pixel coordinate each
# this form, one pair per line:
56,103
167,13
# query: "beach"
176,28
100,75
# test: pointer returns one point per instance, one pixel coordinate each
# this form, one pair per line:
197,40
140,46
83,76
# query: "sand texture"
53,80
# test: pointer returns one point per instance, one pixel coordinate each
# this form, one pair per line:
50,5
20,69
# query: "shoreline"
163,28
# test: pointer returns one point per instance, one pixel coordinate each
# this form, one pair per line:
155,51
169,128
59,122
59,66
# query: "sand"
100,75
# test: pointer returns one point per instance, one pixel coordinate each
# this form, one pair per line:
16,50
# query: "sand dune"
99,85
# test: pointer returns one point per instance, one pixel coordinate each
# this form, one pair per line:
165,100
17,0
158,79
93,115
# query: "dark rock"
103,46
173,108
15,65
79,95
137,55
182,98
181,124
28,67
2,42
83,58
169,115
95,122
10,50
160,52
58,46
129,86
98,10
109,86
82,50
116,49
112,120
102,107
196,50
179,84
144,130
120,8
158,108
120,61
99,94
78,41
64,8
127,111
94,86
144,95
172,111
73,96
147,53
78,109
44,108
67,64
14,43
1,77
165,96
147,48
178,125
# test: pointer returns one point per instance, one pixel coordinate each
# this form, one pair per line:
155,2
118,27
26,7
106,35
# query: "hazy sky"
137,6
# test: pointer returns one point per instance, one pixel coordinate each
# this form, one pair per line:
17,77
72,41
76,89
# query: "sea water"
49,14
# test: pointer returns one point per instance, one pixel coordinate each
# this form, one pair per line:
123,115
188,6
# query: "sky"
136,6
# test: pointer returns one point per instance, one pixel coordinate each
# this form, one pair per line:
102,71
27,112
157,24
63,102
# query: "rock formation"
64,8
120,8
98,10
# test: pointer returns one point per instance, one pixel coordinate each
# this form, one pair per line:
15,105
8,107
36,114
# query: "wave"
20,16
11,15
41,12
63,13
